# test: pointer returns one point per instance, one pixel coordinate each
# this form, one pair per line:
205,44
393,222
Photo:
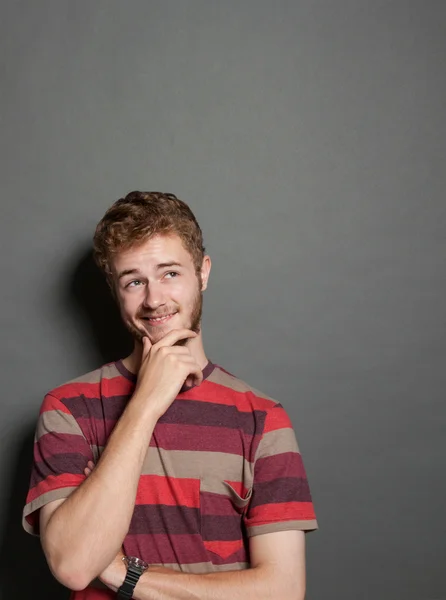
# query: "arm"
82,534
76,533
277,571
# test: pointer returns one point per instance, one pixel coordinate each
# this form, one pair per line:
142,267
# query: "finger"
90,464
178,350
146,347
195,376
87,471
174,336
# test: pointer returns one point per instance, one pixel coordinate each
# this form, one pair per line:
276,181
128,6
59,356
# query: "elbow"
291,589
297,593
69,574
71,579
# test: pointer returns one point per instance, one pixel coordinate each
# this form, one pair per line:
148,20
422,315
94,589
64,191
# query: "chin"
155,334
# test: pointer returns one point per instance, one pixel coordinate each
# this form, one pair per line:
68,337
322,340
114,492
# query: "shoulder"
228,385
89,385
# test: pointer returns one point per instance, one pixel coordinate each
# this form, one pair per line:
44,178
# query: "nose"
154,297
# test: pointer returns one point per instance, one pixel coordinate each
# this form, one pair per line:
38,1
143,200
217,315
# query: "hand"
113,576
164,369
89,468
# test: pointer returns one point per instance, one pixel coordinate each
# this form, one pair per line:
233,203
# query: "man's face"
158,289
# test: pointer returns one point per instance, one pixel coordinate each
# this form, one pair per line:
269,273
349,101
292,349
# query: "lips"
159,319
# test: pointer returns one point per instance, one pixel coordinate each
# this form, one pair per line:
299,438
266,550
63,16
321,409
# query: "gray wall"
309,138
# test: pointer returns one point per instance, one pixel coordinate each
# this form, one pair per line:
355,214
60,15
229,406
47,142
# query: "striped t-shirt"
222,465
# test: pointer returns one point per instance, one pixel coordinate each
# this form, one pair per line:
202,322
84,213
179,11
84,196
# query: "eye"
171,274
134,283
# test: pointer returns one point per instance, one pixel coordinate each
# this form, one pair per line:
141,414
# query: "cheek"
128,305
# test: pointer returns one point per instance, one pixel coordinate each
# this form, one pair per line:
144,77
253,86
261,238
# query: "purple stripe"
219,504
108,408
56,443
287,464
202,438
211,414
161,548
221,527
187,412
58,464
286,489
159,518
96,432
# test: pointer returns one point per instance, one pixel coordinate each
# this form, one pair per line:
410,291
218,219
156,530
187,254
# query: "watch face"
135,562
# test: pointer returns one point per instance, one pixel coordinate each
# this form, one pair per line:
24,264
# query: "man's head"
150,247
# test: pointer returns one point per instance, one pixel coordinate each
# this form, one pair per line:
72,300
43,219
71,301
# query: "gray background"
309,139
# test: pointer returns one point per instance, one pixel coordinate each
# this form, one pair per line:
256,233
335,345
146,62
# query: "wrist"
136,567
114,575
141,411
147,407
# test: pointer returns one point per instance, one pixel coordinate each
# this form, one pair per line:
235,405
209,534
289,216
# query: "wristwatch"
135,568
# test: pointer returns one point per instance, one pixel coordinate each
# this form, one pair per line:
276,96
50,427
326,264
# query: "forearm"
266,582
85,533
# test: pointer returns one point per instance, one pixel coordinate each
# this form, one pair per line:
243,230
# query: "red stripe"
117,386
171,491
51,443
52,403
284,511
173,436
224,549
277,418
54,482
220,394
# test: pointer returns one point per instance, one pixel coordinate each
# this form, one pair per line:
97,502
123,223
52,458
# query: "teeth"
159,318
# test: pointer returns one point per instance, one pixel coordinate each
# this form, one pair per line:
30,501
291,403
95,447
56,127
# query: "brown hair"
137,217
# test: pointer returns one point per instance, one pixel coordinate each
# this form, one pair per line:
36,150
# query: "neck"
195,345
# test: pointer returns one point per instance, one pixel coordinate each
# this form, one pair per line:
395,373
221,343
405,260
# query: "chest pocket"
222,508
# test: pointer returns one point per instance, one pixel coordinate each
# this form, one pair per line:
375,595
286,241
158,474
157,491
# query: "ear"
205,270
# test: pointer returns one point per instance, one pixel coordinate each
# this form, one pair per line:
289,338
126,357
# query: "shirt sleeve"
61,453
281,498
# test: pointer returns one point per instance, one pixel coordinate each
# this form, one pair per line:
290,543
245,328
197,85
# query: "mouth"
157,321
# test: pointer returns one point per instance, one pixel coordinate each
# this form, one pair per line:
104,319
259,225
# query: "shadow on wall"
24,573
90,302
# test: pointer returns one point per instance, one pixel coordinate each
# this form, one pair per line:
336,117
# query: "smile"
159,320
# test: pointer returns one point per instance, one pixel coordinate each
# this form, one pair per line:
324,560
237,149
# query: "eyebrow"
166,265
159,266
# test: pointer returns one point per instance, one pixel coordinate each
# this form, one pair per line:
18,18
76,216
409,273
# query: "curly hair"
137,217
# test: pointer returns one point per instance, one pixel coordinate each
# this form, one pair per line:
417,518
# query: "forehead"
156,250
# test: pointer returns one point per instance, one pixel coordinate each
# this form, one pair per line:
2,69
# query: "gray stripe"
276,442
206,567
58,421
282,526
105,372
197,464
40,501
221,378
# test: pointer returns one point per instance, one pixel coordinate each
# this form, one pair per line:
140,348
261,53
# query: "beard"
194,322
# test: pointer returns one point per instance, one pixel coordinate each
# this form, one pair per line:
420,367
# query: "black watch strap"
125,592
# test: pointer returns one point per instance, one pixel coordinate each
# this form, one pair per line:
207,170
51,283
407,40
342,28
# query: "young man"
162,476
